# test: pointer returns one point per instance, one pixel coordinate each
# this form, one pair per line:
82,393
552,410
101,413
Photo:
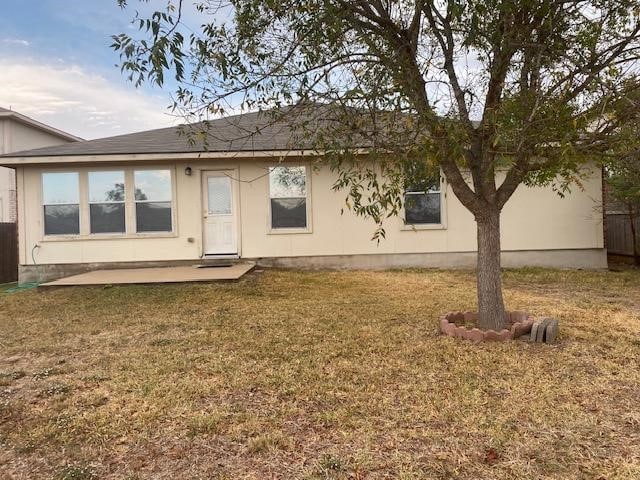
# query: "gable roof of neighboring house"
19,117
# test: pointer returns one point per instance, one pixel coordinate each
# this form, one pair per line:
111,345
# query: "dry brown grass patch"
320,375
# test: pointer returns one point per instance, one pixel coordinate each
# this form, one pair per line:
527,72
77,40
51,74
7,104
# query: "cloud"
19,42
73,99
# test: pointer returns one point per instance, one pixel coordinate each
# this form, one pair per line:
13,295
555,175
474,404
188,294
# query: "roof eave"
12,162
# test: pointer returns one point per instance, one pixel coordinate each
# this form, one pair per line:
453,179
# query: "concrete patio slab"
180,274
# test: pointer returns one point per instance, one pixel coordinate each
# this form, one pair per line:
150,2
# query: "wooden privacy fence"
8,252
619,239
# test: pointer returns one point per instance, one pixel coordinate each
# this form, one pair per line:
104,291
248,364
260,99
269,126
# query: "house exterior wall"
538,226
15,137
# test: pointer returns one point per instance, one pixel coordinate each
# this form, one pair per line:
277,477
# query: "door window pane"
106,202
153,200
60,202
219,195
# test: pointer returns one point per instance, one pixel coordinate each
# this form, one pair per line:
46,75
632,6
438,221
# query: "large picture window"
61,203
107,202
288,197
153,200
124,202
422,203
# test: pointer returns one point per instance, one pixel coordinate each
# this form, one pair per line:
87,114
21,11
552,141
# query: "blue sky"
57,67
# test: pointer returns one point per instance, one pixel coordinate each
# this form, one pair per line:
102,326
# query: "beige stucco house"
19,132
156,198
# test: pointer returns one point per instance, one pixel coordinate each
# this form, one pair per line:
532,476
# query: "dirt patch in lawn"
319,376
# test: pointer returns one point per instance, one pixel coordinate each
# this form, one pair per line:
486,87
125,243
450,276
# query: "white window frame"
135,202
130,212
42,205
297,230
443,203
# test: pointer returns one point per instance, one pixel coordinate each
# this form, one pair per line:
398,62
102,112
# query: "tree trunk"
490,303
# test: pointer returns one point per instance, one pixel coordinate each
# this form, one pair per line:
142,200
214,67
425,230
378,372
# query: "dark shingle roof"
245,132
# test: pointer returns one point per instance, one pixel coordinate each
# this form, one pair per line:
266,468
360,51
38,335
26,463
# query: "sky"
56,66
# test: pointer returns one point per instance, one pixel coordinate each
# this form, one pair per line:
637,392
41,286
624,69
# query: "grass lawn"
7,286
321,375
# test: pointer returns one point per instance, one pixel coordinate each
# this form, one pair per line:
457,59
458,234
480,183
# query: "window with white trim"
153,198
116,202
288,197
423,203
107,202
61,203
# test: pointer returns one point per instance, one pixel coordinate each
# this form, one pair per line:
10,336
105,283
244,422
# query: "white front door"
220,219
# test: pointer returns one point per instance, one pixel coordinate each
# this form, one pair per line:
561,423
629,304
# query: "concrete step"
221,261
